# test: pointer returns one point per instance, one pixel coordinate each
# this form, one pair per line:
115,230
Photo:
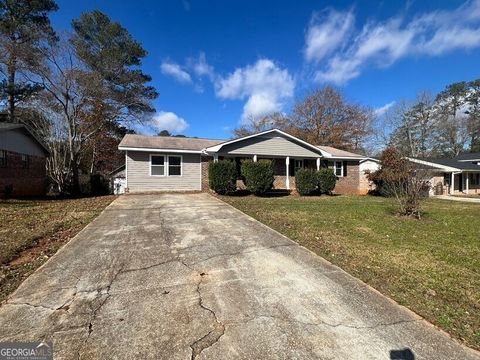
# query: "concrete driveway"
186,276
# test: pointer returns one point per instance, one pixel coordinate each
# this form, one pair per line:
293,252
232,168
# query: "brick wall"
26,181
350,184
205,161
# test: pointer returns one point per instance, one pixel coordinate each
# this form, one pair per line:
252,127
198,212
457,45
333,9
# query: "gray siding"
139,179
17,141
269,146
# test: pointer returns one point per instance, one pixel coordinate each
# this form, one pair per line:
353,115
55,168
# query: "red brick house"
22,161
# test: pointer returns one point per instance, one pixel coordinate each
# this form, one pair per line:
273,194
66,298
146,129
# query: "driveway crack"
214,335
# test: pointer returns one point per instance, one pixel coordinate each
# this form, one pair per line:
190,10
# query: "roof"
468,156
6,126
133,141
197,145
339,153
447,164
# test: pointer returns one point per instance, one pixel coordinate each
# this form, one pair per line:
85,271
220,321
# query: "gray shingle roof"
167,142
338,152
453,163
468,156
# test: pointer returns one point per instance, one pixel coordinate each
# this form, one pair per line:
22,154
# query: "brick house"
22,161
156,163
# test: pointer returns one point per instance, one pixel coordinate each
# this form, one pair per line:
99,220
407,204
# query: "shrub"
8,191
306,181
258,175
326,180
99,185
222,177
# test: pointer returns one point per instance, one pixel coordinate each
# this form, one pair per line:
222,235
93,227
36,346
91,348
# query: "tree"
252,126
473,114
451,129
402,180
164,133
24,29
412,134
325,118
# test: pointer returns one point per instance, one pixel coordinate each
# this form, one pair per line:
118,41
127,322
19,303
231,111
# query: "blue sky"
219,63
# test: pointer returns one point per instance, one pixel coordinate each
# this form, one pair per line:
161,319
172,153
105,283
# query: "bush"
306,181
99,185
326,180
8,191
258,175
222,177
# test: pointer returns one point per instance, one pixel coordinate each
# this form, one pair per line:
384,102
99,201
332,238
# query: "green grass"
33,230
432,265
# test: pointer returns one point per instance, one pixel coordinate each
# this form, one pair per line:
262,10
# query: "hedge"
222,177
326,180
306,181
258,175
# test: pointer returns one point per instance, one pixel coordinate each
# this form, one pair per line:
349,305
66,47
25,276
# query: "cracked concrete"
185,276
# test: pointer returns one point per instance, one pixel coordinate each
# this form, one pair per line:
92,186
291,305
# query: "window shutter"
345,168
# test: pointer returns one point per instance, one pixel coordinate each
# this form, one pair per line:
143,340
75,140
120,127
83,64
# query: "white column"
466,183
452,184
126,170
215,157
254,158
287,165
318,164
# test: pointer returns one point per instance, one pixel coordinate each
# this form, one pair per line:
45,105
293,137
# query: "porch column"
254,158
318,164
287,165
466,182
215,157
452,184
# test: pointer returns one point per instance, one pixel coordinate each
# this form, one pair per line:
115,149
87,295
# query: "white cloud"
170,121
383,109
264,84
326,32
174,70
384,43
202,68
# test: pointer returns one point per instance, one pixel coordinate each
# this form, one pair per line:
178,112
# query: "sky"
217,64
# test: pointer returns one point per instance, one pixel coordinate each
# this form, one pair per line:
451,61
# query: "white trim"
254,158
435,165
341,168
287,173
216,148
166,165
318,164
126,169
369,159
152,150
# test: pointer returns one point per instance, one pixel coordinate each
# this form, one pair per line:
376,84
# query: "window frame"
181,165
25,160
166,164
4,157
335,162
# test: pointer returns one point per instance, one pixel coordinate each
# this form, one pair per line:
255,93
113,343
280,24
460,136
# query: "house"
157,163
459,175
22,161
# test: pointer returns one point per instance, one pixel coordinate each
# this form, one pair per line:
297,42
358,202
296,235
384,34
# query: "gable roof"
448,165
469,157
340,153
217,147
160,143
6,126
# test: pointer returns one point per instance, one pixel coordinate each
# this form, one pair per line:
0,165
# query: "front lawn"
431,266
33,230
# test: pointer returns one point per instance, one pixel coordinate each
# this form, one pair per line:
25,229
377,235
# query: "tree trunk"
11,88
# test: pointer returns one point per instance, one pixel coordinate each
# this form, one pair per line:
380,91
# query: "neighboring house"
368,165
22,161
118,180
157,163
460,175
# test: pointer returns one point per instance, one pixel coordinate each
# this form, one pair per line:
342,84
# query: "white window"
157,165
338,168
25,161
174,165
298,164
165,165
